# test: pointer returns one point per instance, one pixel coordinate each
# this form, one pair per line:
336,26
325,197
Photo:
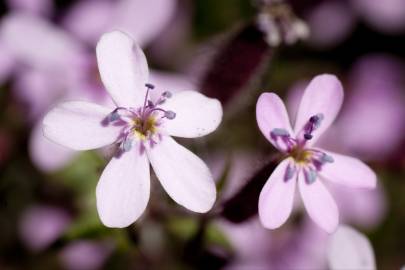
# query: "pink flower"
86,254
349,249
305,164
41,225
141,127
66,69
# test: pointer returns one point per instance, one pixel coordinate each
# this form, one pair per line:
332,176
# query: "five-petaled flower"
141,125
304,163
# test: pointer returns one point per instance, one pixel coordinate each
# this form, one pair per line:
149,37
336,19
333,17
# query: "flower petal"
196,115
319,204
348,171
271,114
123,68
47,155
184,176
123,190
349,249
324,95
277,197
78,125
41,45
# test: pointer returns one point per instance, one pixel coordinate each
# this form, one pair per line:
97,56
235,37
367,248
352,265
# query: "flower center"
309,160
140,124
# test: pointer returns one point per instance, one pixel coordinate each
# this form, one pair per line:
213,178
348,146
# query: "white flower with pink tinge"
142,127
304,163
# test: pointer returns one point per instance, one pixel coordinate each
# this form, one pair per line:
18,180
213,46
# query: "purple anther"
170,115
327,159
150,86
127,145
310,176
113,116
280,132
289,172
307,136
167,94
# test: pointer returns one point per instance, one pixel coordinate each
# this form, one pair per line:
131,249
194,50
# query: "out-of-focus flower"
142,19
41,225
66,69
86,254
330,22
374,105
306,164
349,249
141,126
39,7
386,16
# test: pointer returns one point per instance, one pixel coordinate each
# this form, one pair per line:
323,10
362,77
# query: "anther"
127,145
280,132
170,115
310,176
150,86
326,158
167,94
113,116
290,172
307,136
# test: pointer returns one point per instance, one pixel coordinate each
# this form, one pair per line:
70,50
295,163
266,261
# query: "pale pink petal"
79,126
123,68
86,254
41,45
47,155
324,95
196,114
39,7
319,204
183,175
142,19
277,197
123,190
41,225
271,114
348,171
349,249
89,19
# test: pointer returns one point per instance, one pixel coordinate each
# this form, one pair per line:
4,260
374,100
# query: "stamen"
280,132
313,123
148,88
327,159
170,115
289,172
310,175
167,94
127,144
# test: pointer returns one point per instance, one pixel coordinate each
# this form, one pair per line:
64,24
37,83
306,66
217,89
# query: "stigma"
140,124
